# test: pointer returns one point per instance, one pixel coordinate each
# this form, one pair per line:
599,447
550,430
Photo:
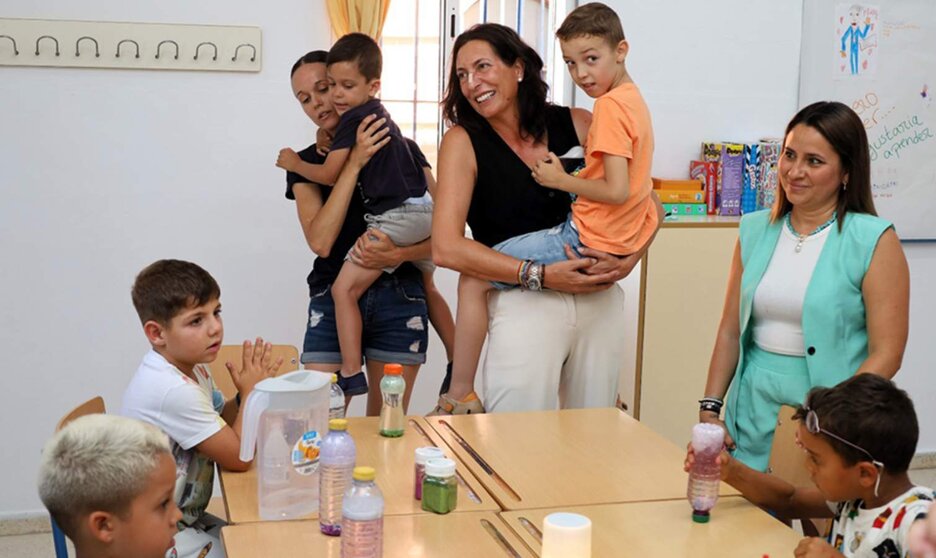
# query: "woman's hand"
288,159
375,250
712,418
618,267
371,137
569,276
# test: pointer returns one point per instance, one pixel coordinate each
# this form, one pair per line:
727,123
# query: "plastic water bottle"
708,440
392,387
335,400
362,517
336,466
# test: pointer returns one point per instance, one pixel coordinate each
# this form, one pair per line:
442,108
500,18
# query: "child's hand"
814,547
288,159
549,173
724,461
257,364
323,141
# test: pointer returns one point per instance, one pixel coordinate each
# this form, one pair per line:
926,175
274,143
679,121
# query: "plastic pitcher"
286,418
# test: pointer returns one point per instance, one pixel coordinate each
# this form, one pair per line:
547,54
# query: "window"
416,43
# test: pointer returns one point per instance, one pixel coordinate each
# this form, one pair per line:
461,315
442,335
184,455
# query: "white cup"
566,535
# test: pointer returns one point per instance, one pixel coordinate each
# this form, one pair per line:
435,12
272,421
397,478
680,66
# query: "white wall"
104,171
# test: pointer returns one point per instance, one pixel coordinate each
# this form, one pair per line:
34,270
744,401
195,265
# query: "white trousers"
549,350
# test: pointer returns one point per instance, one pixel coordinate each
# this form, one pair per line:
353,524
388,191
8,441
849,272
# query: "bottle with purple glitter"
708,440
336,460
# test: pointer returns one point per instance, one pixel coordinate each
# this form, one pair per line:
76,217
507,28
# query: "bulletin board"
880,59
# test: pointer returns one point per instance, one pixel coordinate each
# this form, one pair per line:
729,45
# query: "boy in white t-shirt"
859,438
179,306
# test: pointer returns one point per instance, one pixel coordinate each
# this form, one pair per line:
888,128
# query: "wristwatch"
535,277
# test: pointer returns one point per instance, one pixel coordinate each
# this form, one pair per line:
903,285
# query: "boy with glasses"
859,438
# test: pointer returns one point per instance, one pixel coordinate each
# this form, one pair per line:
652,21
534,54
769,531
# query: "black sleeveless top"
507,202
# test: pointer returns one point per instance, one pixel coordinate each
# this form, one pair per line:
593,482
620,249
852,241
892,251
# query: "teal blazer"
834,328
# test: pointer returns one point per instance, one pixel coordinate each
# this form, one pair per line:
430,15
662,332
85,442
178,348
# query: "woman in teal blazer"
834,285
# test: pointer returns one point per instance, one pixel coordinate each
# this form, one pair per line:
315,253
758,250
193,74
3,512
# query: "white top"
778,301
189,413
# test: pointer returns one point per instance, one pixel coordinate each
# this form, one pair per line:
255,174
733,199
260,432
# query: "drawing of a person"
854,36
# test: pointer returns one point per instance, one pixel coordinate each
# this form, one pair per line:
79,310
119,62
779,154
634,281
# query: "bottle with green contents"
440,487
392,386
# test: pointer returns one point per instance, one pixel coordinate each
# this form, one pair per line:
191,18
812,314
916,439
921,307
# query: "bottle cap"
392,369
700,516
338,424
440,467
427,453
364,474
334,378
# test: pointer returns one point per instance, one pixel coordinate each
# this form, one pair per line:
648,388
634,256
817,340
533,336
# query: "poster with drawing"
856,40
885,69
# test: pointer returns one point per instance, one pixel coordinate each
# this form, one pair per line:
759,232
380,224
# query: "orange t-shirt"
621,126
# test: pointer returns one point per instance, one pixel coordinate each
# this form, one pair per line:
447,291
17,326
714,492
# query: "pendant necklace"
800,238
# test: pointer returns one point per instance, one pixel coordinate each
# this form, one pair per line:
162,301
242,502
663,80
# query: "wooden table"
393,459
665,529
454,535
567,458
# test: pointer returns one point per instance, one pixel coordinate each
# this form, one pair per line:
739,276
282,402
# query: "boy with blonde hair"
108,482
615,210
179,306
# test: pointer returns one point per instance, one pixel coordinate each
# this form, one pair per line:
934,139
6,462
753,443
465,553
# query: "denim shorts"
395,318
545,246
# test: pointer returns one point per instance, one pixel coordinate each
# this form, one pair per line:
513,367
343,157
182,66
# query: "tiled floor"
39,545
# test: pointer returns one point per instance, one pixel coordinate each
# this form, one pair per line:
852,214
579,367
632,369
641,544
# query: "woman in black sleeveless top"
557,347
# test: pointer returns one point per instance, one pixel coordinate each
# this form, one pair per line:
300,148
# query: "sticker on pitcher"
305,454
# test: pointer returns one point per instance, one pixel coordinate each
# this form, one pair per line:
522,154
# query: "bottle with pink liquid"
708,440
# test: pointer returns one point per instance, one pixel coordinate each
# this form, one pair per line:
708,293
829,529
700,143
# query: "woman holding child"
332,220
556,342
819,286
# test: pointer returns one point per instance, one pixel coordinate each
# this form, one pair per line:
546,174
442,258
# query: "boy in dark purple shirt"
392,185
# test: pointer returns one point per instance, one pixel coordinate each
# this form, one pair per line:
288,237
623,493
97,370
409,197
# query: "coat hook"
253,57
136,44
12,40
215,57
161,43
47,37
97,51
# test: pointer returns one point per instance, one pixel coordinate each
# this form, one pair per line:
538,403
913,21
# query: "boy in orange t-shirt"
614,210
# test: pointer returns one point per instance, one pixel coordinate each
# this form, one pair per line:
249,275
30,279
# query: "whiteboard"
880,59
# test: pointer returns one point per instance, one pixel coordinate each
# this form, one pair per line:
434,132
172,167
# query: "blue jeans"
545,246
395,318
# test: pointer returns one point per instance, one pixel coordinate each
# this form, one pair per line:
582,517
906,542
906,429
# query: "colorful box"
681,196
684,208
767,173
732,178
712,153
749,182
670,184
707,172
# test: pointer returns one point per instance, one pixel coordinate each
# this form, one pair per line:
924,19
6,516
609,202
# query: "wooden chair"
233,353
92,406
788,462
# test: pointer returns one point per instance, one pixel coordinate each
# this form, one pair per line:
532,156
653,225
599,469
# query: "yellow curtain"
358,16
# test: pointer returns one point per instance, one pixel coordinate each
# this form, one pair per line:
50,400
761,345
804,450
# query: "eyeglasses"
812,426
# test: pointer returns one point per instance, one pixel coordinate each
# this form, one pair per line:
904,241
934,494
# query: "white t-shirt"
882,531
189,413
777,313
